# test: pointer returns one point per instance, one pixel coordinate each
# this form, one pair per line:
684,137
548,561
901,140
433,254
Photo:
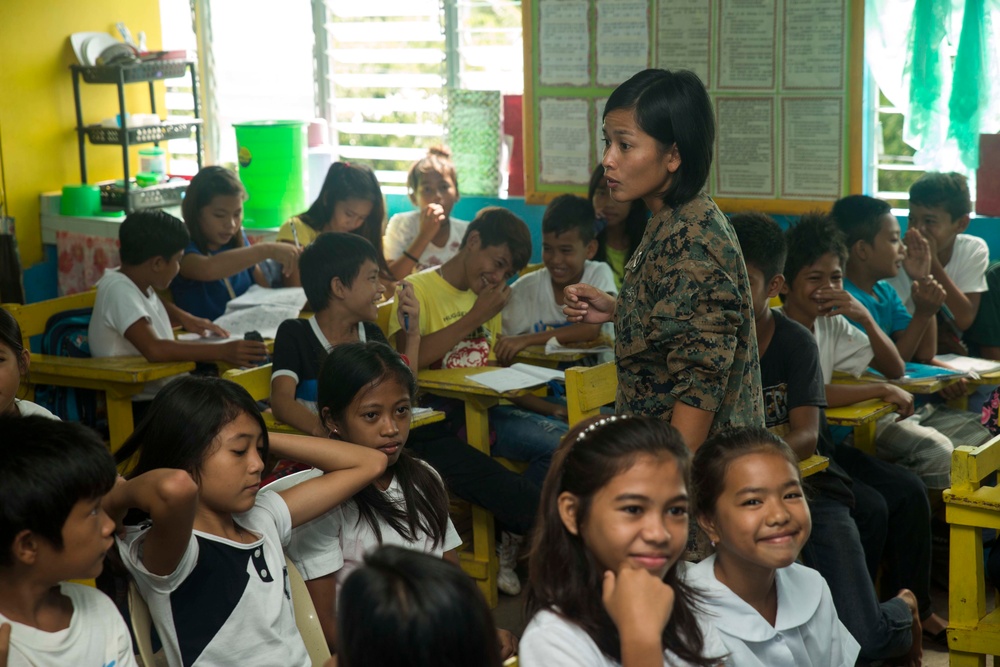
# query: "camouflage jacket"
684,323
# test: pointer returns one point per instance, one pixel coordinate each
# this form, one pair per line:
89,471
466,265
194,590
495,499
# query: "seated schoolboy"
53,479
875,252
534,313
460,305
851,520
340,276
129,318
939,213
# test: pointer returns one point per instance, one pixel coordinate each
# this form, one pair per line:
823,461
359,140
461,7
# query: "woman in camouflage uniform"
685,344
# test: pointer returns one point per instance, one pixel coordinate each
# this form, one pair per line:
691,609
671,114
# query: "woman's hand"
585,303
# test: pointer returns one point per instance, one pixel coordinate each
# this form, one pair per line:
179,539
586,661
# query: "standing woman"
685,344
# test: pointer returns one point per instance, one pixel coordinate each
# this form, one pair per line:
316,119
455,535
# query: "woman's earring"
712,542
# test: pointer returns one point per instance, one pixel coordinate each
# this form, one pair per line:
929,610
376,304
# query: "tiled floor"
509,615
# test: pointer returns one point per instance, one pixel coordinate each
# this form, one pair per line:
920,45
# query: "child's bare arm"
156,349
839,395
188,322
509,347
803,430
541,406
887,359
349,468
170,497
323,591
224,264
288,410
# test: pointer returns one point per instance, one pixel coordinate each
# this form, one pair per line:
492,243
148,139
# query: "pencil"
295,235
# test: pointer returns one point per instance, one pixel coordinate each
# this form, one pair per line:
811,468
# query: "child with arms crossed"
55,479
220,264
770,611
605,588
210,562
365,395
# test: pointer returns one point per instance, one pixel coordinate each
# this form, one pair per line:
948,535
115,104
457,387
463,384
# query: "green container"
80,200
274,168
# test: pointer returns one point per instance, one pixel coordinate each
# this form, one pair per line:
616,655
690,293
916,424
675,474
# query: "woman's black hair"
673,107
404,608
205,186
182,422
564,576
10,336
345,180
635,222
349,370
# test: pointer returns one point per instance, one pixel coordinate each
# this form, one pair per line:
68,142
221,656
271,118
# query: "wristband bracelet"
407,255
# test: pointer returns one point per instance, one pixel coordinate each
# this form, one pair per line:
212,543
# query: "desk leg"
119,419
483,538
966,594
960,403
864,437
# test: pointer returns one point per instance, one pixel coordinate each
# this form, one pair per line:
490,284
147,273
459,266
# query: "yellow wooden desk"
482,563
862,417
536,355
929,386
120,378
984,380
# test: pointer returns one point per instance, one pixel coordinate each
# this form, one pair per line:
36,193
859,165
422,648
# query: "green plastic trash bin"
274,168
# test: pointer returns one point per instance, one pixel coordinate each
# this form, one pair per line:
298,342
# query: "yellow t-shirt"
441,305
616,260
306,233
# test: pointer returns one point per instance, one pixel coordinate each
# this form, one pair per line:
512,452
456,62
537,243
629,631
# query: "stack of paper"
970,364
518,376
292,297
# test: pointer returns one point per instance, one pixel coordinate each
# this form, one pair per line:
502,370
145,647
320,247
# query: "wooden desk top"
456,380
120,370
859,413
928,386
537,353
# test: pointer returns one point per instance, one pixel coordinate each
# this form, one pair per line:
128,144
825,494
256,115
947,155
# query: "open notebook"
518,376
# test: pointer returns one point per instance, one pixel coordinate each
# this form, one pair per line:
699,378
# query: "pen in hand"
295,235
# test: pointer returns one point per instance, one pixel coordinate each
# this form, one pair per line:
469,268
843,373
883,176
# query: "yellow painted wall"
37,117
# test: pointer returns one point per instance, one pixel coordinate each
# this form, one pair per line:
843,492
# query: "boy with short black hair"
534,313
940,206
340,276
850,518
875,252
54,477
129,318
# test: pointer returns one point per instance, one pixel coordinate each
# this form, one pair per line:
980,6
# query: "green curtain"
969,93
924,64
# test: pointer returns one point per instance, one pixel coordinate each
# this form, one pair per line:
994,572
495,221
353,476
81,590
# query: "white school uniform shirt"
551,640
120,304
970,256
842,347
226,603
339,540
806,632
96,636
532,306
403,228
29,409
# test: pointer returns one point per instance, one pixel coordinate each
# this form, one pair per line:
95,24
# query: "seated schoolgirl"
770,611
365,394
209,563
624,224
604,586
220,264
14,362
403,608
349,201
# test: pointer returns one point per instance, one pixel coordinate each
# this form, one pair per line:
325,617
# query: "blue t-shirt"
885,306
208,298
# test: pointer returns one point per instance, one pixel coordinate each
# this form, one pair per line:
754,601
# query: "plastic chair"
142,625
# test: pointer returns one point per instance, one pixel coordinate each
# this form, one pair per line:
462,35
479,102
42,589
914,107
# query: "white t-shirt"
120,304
97,635
226,603
970,256
28,409
532,306
806,632
339,540
842,347
552,641
403,229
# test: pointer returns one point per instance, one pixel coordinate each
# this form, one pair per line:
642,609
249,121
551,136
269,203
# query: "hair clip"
599,424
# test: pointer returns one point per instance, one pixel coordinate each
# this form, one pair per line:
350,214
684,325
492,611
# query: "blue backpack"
66,336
